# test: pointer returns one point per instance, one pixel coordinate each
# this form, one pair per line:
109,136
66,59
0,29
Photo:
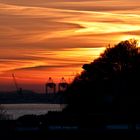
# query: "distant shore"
30,98
17,110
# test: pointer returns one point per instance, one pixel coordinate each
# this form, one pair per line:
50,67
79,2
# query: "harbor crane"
50,86
19,90
63,85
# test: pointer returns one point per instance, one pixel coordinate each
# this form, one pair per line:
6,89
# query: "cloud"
41,27
90,5
45,67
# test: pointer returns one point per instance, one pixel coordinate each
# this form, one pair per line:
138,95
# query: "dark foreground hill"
67,126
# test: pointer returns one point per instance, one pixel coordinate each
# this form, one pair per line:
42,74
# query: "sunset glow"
43,38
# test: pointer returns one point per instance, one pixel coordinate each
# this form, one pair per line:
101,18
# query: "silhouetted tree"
109,83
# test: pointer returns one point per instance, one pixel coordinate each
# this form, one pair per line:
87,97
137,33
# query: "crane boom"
15,82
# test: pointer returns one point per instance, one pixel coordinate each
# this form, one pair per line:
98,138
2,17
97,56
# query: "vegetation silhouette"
109,84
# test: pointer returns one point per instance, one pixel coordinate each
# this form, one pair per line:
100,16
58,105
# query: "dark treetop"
108,84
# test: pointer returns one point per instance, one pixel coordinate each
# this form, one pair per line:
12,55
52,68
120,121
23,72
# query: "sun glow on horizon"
129,37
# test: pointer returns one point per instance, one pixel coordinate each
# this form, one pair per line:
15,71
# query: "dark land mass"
30,97
68,126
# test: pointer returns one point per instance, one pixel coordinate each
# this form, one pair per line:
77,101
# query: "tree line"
109,83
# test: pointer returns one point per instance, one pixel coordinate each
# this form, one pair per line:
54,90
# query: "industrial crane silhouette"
63,85
50,86
19,90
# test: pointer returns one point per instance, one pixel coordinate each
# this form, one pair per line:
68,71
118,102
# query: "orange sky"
42,38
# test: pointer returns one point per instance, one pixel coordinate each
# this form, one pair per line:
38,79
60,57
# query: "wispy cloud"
45,67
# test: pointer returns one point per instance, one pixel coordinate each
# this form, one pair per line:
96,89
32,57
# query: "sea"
14,111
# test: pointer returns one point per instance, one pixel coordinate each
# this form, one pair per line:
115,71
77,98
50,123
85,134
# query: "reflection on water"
17,110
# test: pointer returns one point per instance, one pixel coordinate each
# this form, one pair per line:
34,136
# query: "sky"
54,38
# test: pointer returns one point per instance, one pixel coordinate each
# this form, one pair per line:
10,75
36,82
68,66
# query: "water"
14,111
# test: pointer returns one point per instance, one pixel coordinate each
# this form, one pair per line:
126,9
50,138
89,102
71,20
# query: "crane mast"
19,90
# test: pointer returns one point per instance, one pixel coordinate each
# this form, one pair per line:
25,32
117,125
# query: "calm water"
17,110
